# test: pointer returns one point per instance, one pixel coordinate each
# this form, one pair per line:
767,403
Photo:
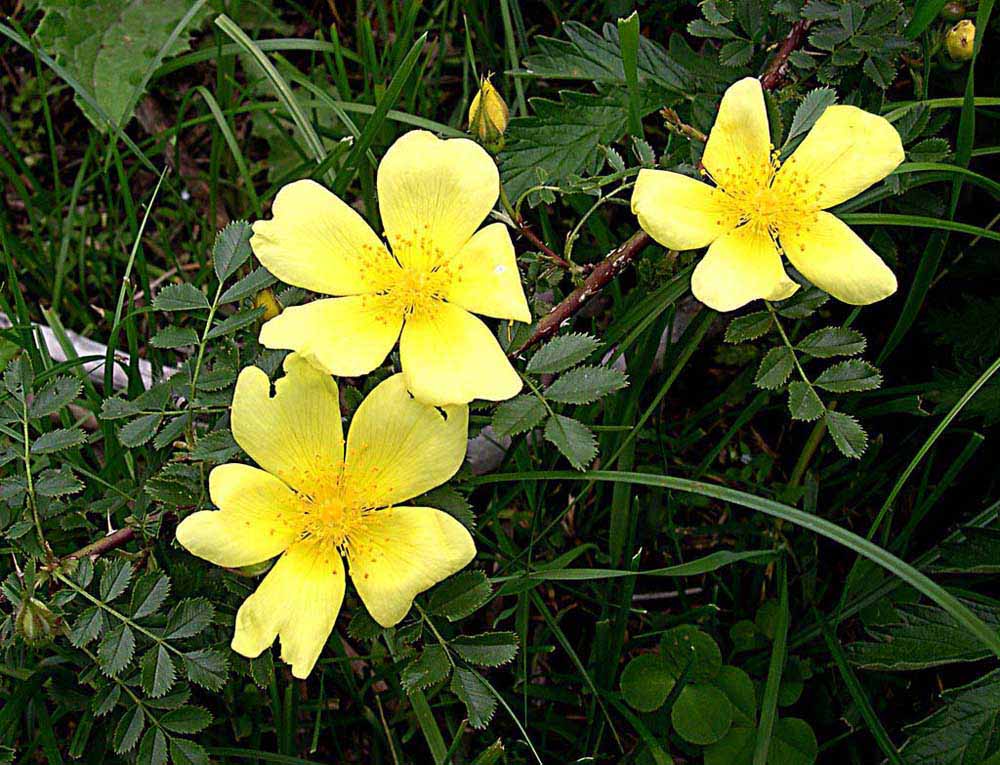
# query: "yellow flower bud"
488,116
960,40
265,299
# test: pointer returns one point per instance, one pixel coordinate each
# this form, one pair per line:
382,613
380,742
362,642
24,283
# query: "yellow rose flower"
433,195
760,208
312,503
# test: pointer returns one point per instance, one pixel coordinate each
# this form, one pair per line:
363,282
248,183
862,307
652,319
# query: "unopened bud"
35,622
960,40
488,116
952,11
265,299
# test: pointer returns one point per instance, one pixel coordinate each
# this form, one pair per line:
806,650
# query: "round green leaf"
793,743
646,682
702,714
738,687
689,645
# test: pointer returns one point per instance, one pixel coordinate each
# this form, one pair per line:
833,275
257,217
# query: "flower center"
331,518
417,291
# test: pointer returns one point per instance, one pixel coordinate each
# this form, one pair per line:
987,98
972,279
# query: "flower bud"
960,40
35,622
488,116
952,11
265,299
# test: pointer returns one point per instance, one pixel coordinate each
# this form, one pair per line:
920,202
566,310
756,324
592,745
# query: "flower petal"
486,279
402,551
398,448
740,266
433,194
316,241
836,260
680,212
450,357
299,600
738,152
259,517
847,150
297,434
347,336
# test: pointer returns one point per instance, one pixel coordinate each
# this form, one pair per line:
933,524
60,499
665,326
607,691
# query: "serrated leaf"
216,447
847,433
129,729
148,594
460,595
363,627
232,249
803,403
561,353
115,579
185,752
174,337
803,303
57,440
832,341
811,109
153,748
749,327
57,394
88,626
574,439
736,53
176,484
490,649
105,699
978,552
518,415
173,700
116,649
929,150
157,671
57,483
249,285
118,408
480,704
180,297
171,431
584,385
431,666
850,375
775,368
206,667
235,322
450,500
138,431
879,70
188,618
191,719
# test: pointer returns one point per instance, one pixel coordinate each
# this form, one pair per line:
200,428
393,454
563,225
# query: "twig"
778,68
548,252
674,123
616,262
113,540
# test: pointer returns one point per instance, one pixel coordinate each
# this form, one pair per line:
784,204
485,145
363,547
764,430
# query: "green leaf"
736,53
929,150
775,368
157,671
249,285
962,731
215,447
57,440
190,719
584,385
749,327
449,499
739,689
105,699
562,352
792,743
810,110
702,714
490,649
206,667
180,297
850,375
188,618
646,682
460,595
174,337
687,645
136,432
57,483
235,322
574,439
115,578
430,667
57,394
832,341
148,594
153,748
978,552
518,415
232,249
129,729
480,704
118,408
87,627
185,752
116,649
803,403
847,433
176,484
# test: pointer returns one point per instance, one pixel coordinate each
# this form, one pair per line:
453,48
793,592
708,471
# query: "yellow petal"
398,448
347,336
486,279
738,152
433,194
299,600
846,151
450,357
680,212
258,518
402,551
316,241
836,260
740,266
297,434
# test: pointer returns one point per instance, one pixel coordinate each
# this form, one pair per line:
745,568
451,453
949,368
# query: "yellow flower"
312,503
433,194
960,40
760,208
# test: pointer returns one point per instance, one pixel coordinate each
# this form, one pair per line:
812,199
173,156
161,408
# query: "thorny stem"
525,230
778,68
